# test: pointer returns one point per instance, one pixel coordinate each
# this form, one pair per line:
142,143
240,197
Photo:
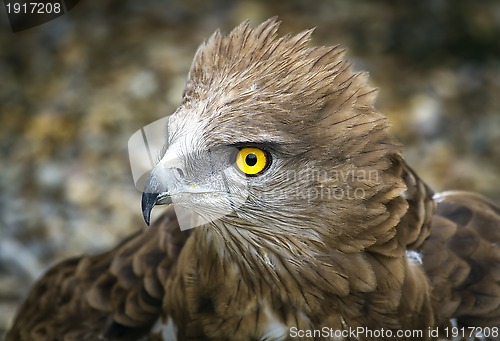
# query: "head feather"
253,83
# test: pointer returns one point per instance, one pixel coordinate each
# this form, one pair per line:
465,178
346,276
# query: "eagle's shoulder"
114,295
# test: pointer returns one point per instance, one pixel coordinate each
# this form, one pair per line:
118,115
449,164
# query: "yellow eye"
252,161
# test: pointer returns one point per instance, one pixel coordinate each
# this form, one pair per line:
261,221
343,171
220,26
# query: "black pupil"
251,159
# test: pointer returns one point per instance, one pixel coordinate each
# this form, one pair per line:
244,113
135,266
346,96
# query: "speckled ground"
73,90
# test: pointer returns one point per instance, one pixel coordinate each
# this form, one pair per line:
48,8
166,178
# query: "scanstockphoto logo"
312,185
24,14
206,185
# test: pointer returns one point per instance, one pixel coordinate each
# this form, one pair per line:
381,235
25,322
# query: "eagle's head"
278,145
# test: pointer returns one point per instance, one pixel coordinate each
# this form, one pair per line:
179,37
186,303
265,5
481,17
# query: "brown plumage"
336,231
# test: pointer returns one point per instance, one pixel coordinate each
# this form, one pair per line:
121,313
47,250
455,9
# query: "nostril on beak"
179,173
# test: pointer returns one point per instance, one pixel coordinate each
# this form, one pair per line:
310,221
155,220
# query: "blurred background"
73,90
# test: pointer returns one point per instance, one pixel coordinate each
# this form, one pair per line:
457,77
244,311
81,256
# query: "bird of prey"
310,223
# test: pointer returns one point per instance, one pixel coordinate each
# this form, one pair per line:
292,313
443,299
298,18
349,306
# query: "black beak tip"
147,218
148,202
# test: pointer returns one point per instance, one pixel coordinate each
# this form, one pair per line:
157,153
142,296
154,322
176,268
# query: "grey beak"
155,193
148,202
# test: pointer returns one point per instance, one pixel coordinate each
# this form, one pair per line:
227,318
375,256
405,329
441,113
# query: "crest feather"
249,57
297,93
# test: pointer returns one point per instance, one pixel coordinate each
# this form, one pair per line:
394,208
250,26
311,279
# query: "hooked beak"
155,193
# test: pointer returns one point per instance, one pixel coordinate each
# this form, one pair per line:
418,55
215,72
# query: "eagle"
303,220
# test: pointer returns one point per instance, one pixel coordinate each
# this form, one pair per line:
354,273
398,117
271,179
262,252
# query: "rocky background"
72,91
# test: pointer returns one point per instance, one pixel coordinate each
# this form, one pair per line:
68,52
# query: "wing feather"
462,258
116,295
